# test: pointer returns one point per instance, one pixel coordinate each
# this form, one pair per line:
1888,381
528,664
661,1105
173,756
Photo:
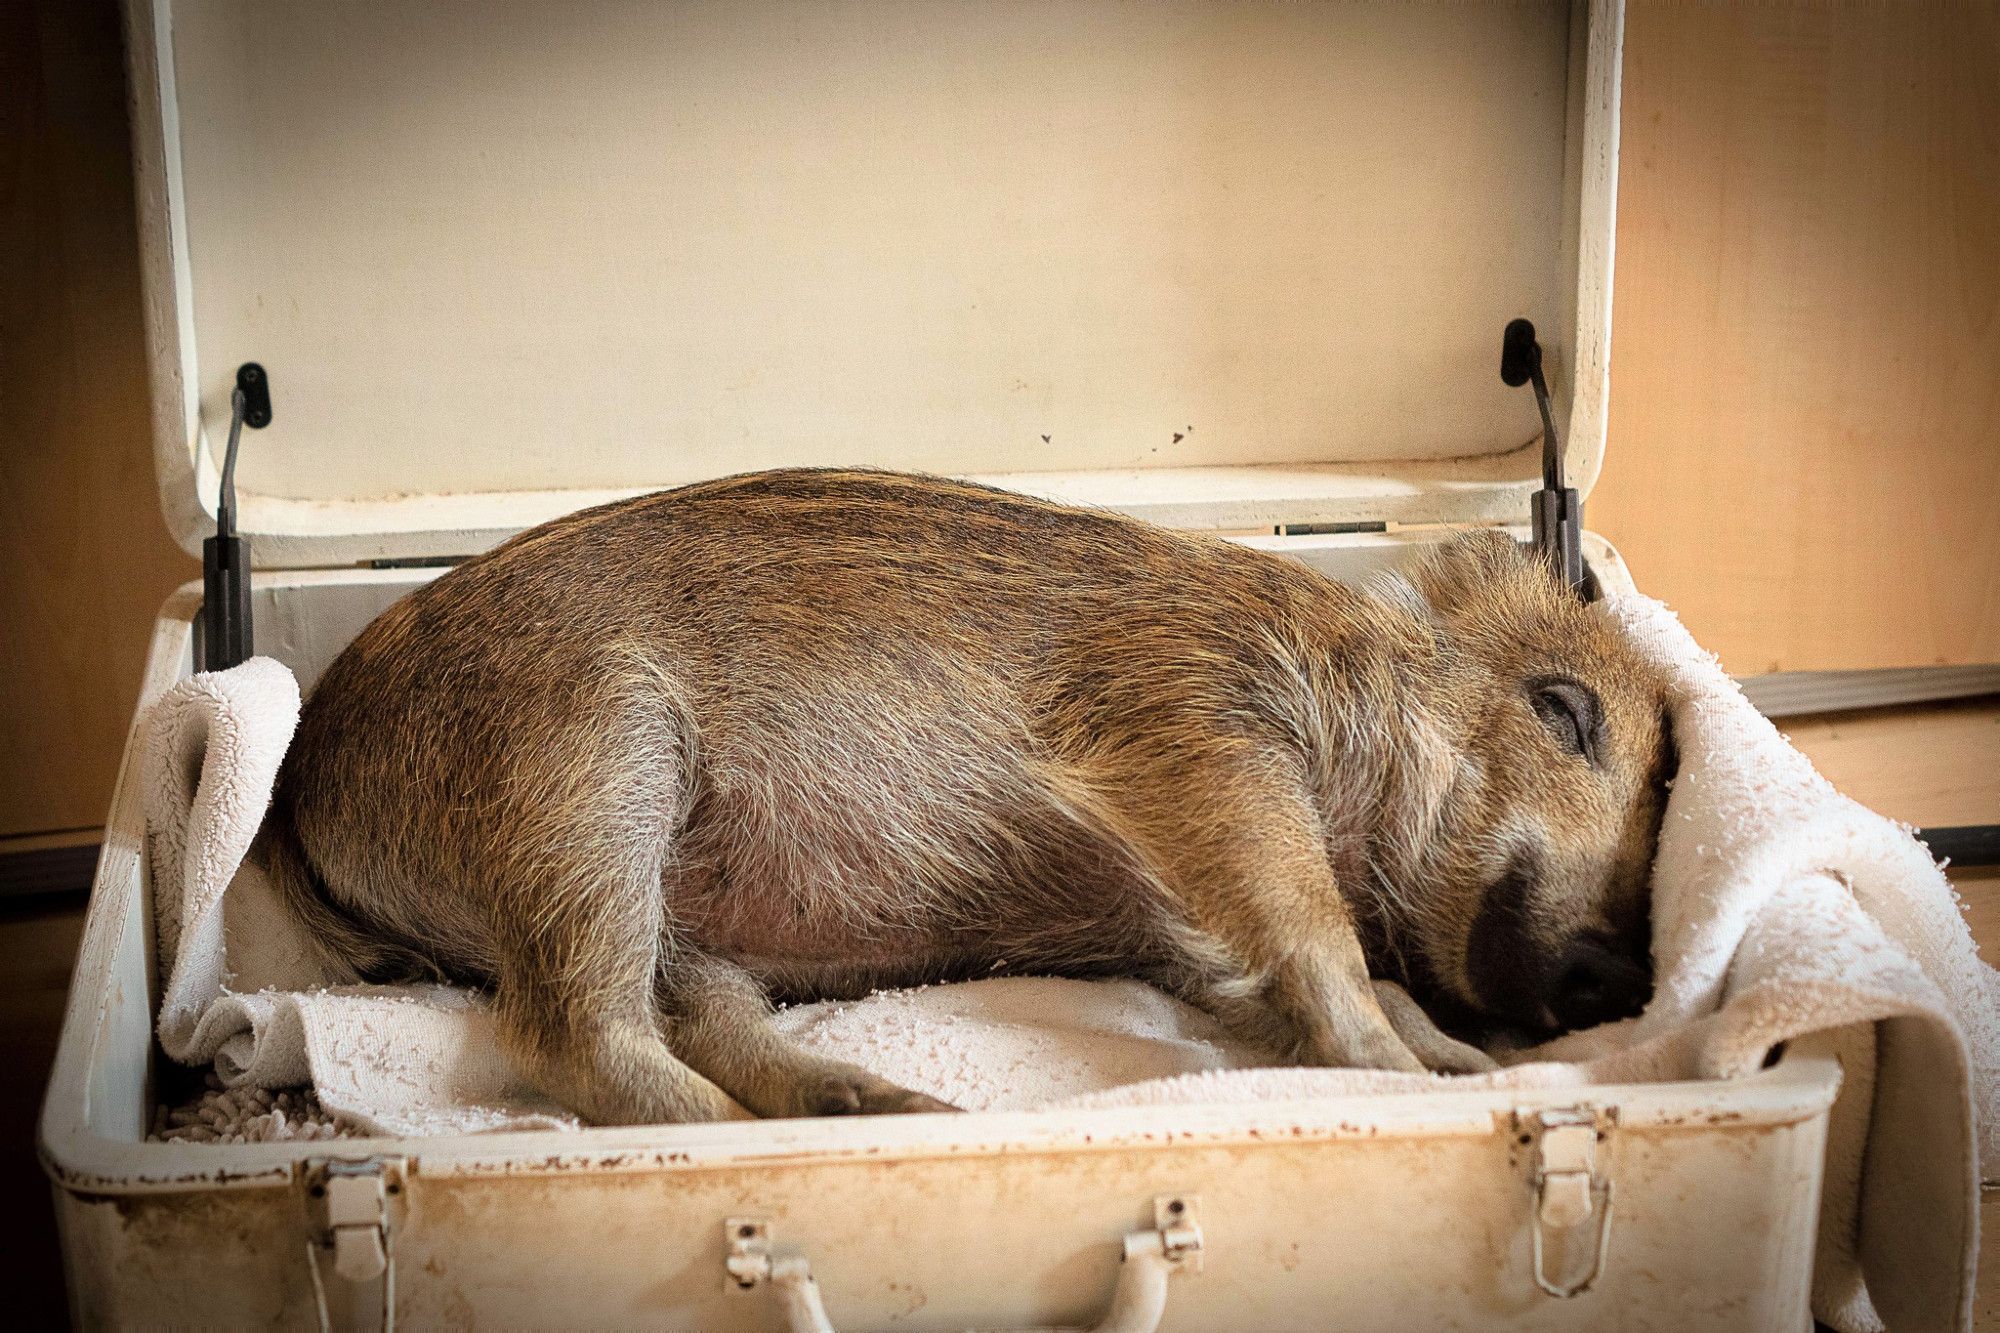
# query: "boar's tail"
348,949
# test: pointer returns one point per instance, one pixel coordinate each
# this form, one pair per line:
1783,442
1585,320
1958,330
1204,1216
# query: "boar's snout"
1597,983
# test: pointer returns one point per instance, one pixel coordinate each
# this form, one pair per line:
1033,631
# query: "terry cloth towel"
1781,909
241,991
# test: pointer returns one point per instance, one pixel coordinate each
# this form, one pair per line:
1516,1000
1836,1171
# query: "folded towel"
242,991
1781,909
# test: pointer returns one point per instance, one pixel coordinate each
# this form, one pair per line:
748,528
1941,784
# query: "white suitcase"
1240,268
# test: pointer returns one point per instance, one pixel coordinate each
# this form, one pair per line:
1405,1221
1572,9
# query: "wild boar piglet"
801,734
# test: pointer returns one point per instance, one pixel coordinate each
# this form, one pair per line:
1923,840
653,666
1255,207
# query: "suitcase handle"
1138,1303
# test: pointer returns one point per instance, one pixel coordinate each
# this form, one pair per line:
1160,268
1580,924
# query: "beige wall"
1805,418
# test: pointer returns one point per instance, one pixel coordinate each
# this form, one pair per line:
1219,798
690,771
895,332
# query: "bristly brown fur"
804,733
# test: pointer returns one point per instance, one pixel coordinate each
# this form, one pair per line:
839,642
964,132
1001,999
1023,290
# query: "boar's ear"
1469,564
1667,764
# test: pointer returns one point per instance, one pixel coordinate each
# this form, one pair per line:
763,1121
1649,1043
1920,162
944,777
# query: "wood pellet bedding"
245,1115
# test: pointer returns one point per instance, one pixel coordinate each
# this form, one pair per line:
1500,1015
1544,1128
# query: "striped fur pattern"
801,734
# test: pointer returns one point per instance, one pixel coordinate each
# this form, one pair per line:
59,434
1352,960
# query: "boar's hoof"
846,1090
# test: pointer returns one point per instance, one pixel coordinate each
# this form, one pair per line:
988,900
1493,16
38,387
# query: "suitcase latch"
1572,1193
352,1207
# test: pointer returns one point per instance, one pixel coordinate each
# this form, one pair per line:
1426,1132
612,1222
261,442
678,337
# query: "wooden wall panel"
1805,401
85,554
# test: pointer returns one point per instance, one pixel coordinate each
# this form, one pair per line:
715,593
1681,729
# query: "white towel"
241,992
1780,909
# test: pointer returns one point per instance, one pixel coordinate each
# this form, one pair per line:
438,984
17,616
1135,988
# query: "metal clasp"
1572,1193
352,1207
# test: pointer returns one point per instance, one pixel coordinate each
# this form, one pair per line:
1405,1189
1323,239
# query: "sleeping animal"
805,733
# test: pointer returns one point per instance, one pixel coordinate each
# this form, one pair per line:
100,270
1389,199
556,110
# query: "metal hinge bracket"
1177,1221
746,1255
1572,1189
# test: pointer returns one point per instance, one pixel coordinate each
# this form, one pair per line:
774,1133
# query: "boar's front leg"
1268,944
1438,1049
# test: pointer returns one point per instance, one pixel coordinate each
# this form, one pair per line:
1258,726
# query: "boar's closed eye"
1571,712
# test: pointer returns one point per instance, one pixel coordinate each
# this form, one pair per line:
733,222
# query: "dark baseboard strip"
1794,693
47,872
1964,844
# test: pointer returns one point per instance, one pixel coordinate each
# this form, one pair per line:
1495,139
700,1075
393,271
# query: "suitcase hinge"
353,1207
1572,1190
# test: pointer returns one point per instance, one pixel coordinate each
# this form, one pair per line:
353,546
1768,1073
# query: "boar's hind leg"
576,925
577,839
718,1020
576,1014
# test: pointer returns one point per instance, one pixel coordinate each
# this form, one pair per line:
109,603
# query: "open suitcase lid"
1216,266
